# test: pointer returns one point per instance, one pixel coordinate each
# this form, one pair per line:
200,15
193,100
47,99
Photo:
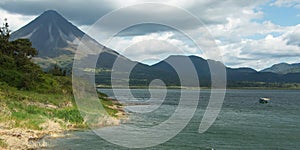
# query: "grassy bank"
29,109
43,113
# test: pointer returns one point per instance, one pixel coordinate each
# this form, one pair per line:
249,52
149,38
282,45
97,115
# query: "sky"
255,33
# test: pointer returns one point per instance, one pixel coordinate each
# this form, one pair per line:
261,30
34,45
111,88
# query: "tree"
4,31
16,67
4,36
57,71
23,48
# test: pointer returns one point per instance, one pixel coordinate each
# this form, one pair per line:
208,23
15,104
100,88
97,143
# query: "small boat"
264,100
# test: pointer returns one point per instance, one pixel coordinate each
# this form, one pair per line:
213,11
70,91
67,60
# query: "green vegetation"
16,68
3,144
64,61
29,109
108,104
263,85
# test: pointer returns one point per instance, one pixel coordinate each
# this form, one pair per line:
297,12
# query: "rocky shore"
23,139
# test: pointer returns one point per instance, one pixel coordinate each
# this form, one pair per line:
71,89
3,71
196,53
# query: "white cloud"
286,3
264,52
155,46
15,21
236,29
293,36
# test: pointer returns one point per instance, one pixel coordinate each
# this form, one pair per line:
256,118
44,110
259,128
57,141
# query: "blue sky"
281,15
256,33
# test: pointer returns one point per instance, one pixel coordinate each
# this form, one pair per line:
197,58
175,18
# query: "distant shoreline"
197,88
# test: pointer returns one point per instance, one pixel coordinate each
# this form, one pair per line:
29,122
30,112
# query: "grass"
107,104
2,144
29,109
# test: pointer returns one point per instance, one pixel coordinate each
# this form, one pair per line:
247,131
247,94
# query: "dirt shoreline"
20,139
25,139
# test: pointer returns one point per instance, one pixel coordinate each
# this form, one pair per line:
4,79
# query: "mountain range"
56,40
283,68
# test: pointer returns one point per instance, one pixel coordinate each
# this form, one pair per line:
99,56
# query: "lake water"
243,123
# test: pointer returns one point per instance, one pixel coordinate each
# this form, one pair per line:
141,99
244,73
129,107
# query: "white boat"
264,100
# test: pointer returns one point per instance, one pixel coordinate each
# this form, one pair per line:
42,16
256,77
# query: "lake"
243,123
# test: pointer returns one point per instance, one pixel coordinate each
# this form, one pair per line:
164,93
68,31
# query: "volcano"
55,38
